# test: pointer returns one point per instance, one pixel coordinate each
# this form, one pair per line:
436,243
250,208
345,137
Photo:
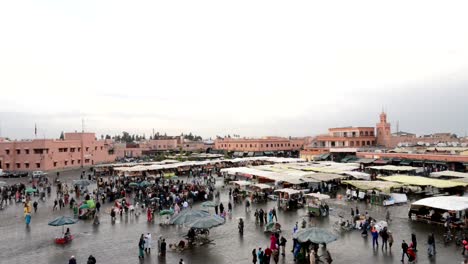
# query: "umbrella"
62,221
380,225
133,184
81,182
209,204
30,190
187,216
166,212
315,235
144,183
206,222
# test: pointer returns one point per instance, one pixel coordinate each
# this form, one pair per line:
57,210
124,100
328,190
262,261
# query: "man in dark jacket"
91,260
404,248
283,245
384,236
72,260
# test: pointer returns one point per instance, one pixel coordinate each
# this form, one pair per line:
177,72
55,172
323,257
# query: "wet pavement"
117,243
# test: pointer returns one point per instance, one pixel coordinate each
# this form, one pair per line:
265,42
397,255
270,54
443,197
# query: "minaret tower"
383,131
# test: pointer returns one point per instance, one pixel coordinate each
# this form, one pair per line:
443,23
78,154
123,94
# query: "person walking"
430,245
72,260
159,245
390,239
283,245
91,260
163,247
404,250
181,261
414,241
221,208
229,207
61,204
98,206
247,205
357,211
352,213
254,256
273,211
384,236
148,242
55,205
141,247
375,237
35,206
267,255
387,216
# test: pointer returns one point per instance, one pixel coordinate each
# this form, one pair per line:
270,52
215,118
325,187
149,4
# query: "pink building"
259,144
76,150
343,137
134,150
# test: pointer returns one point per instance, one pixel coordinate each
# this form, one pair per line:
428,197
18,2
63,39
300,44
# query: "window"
27,151
66,162
86,160
95,148
18,165
38,151
101,147
250,145
72,149
18,151
72,162
87,148
26,165
79,161
79,149
38,165
55,164
7,165
7,151
261,145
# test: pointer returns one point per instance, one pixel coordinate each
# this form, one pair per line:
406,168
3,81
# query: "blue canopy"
63,220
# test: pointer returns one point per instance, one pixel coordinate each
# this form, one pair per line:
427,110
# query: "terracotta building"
74,151
267,144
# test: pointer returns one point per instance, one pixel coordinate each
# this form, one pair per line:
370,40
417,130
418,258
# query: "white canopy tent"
319,196
447,173
288,191
449,203
241,183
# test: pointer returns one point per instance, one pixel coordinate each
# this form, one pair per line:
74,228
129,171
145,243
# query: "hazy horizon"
262,68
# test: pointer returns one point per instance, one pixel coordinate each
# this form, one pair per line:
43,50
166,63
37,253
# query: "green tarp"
406,162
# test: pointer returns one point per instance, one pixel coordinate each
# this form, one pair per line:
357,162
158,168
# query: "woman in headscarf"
141,246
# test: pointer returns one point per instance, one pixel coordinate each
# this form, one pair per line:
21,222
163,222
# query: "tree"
62,136
102,136
108,137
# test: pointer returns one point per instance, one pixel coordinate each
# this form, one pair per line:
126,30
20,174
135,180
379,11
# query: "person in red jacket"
268,253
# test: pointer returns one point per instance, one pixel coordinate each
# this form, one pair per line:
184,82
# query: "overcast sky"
254,68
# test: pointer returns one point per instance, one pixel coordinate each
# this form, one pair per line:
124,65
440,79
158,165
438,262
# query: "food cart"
289,198
259,192
316,205
439,210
